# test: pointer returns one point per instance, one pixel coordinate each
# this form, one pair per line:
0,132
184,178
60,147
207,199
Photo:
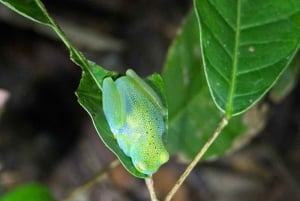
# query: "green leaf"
246,45
28,192
89,90
192,114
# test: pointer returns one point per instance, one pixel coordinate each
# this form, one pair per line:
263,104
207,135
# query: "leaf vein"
259,68
246,43
219,72
230,103
222,17
267,22
238,95
219,42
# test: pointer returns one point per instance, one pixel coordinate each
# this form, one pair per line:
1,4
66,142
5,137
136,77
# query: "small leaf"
28,192
246,45
192,114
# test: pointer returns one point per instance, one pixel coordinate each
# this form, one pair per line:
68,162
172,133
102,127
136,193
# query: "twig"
191,166
91,182
149,183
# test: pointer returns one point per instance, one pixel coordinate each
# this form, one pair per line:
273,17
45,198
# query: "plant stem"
191,166
91,182
149,183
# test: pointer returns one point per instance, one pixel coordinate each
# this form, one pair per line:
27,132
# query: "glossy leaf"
28,192
192,114
246,45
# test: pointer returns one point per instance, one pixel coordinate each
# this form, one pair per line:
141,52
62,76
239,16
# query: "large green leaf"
28,192
246,45
192,114
89,90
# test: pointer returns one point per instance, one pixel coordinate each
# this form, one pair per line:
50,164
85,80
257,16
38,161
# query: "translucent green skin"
137,119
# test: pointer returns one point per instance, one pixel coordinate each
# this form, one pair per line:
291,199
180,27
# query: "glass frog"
137,118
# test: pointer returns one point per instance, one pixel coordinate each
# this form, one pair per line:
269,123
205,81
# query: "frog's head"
148,157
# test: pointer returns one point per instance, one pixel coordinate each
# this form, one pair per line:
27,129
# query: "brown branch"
191,166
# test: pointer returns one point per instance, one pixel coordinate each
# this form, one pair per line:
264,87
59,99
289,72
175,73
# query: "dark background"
46,136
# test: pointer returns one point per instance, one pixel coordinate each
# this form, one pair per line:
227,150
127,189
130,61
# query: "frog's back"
142,115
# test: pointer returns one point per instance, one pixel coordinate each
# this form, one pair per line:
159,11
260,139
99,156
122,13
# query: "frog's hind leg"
113,107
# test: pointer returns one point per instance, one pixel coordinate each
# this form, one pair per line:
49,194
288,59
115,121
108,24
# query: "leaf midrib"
234,63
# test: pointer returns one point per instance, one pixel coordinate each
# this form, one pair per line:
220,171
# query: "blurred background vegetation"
46,136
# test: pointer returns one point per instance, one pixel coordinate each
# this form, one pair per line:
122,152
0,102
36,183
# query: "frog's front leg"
114,108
